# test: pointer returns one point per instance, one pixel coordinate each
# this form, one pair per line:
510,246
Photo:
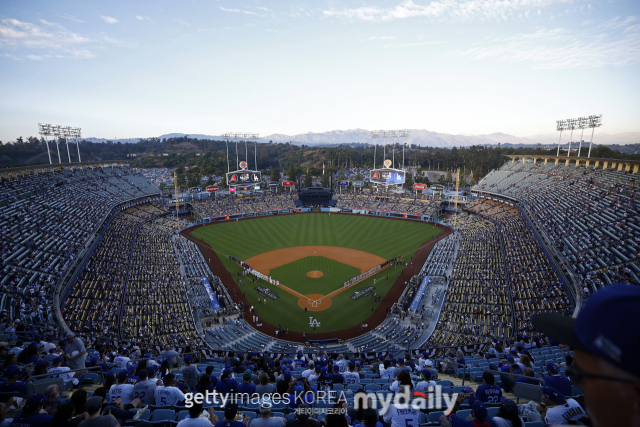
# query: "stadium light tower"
227,135
403,133
583,122
77,133
44,129
375,134
56,132
594,122
572,124
65,132
561,125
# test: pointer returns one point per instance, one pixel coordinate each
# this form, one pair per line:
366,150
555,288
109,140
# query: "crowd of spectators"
45,220
229,205
589,214
425,205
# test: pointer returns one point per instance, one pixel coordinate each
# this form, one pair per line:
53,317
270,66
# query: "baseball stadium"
361,213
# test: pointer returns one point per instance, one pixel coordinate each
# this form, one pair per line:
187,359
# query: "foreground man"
606,341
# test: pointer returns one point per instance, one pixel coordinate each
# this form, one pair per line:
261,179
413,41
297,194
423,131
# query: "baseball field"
312,255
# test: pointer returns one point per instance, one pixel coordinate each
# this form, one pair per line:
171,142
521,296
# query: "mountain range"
420,137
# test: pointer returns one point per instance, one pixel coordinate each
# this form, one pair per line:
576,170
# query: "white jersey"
313,379
562,414
145,391
402,415
351,378
396,384
342,365
121,362
123,391
168,396
387,373
62,372
307,373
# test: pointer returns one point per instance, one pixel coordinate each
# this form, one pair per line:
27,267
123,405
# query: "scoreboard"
387,176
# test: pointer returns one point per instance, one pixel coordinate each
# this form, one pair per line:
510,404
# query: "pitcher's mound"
315,274
313,302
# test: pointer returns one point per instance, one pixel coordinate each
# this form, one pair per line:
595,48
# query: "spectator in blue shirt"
247,386
11,374
31,416
337,378
489,392
227,384
553,379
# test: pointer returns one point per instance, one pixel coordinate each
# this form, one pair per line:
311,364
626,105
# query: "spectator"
557,409
265,386
167,394
606,338
31,415
190,373
508,415
76,353
265,419
65,416
247,387
488,392
478,413
553,379
94,418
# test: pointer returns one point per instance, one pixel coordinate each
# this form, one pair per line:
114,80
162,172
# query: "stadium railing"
37,383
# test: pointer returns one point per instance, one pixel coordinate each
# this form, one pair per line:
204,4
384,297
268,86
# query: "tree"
449,177
325,180
275,175
358,177
292,173
408,181
308,180
477,174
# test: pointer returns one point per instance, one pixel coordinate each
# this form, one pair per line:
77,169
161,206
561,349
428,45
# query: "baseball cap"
510,359
125,351
323,371
247,374
227,364
57,360
552,394
34,401
358,364
336,368
514,352
94,402
551,367
428,363
122,375
19,343
509,405
11,372
251,368
311,363
608,340
271,364
426,374
151,370
188,358
287,375
40,362
69,335
317,368
479,410
492,350
525,351
143,373
227,372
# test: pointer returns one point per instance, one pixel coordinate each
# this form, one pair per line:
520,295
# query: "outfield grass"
384,237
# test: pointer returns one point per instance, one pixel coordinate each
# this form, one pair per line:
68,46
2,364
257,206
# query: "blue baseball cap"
286,375
617,340
271,364
151,370
317,368
358,364
34,401
426,374
123,375
479,410
227,364
551,367
336,368
40,362
514,352
510,359
525,351
552,394
227,372
125,351
509,406
57,360
323,371
188,358
12,372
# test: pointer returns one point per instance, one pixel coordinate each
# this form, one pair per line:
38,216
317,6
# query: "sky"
130,69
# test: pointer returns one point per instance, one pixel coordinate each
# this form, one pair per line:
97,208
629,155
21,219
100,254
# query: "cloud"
381,38
143,18
609,43
248,12
71,18
14,33
18,37
109,20
458,9
119,42
180,21
412,44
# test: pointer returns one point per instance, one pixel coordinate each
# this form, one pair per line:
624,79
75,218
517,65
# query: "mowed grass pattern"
380,236
294,275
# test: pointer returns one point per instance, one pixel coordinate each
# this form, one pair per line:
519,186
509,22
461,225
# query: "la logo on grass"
313,322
